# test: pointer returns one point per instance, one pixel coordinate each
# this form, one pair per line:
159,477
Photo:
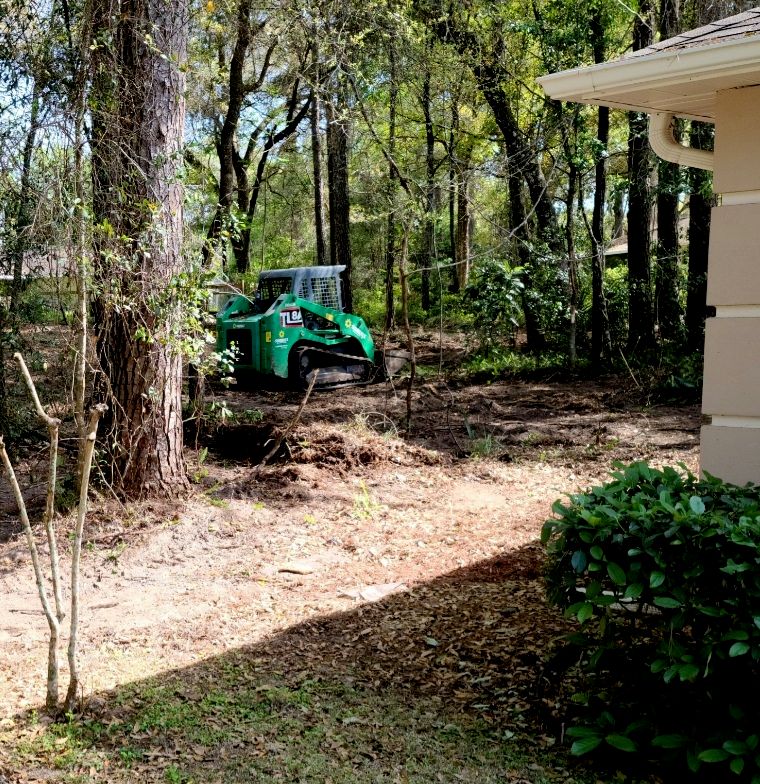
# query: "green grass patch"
226,722
499,362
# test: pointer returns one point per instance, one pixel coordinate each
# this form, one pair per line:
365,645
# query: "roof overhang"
682,82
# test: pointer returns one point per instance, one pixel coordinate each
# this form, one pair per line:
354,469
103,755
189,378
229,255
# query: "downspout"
663,142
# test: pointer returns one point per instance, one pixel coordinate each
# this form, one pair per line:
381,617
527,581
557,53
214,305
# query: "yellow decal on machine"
268,337
282,333
329,316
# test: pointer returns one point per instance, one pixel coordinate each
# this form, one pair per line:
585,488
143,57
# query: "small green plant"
486,446
661,570
113,555
365,505
201,473
173,775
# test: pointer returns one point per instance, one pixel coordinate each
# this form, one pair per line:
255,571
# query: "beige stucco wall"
737,120
731,394
735,239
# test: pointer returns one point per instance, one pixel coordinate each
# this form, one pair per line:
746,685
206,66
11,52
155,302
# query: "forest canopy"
147,147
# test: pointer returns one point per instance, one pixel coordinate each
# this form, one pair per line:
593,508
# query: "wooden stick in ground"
51,700
53,426
84,484
293,422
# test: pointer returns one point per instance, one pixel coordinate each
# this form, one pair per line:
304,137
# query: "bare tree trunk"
138,113
390,242
463,227
80,67
54,616
337,171
668,178
316,158
428,239
640,311
403,279
519,228
572,261
248,196
76,551
453,194
600,325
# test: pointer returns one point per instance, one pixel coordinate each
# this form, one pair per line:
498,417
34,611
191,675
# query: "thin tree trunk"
403,280
51,699
572,261
390,242
601,342
428,239
84,485
519,227
453,188
81,67
463,228
666,279
25,206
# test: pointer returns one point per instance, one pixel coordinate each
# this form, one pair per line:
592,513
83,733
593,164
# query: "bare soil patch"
281,566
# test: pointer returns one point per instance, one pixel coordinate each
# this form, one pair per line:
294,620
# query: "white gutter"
664,144
656,82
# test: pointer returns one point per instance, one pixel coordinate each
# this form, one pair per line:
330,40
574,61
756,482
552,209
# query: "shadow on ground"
444,682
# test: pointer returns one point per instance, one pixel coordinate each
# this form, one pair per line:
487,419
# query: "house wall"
731,393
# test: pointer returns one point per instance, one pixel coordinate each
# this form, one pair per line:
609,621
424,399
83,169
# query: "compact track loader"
295,324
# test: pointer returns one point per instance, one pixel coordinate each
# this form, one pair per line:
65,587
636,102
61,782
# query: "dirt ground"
416,558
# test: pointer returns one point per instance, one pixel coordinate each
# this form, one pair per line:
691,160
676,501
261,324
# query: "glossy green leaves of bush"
661,569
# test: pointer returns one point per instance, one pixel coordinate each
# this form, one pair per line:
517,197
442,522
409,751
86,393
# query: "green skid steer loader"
295,325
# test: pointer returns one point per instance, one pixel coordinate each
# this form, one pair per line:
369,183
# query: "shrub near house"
662,572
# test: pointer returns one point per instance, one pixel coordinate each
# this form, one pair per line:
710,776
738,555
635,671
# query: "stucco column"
731,394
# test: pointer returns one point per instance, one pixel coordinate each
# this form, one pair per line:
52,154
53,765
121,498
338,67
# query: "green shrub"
661,570
492,299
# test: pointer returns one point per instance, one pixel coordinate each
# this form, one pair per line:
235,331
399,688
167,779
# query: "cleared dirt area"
403,565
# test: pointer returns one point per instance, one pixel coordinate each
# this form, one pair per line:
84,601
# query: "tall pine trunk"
337,183
640,311
669,177
138,112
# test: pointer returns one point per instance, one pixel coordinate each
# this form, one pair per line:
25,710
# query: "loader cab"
324,285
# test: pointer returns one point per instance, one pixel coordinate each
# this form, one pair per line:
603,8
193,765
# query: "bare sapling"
53,610
84,485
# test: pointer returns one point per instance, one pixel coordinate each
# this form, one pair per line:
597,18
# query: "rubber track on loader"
335,375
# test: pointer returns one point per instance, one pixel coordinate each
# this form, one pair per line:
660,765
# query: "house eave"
682,82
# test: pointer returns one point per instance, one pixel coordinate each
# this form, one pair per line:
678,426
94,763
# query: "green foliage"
616,294
661,570
500,362
680,375
492,298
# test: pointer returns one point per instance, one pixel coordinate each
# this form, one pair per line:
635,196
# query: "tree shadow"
425,685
